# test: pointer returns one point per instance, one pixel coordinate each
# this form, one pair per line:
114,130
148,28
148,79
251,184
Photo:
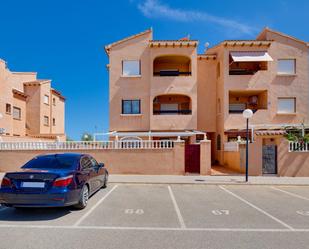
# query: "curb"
211,183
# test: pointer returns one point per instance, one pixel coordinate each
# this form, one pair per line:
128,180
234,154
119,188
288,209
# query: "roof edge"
109,46
267,29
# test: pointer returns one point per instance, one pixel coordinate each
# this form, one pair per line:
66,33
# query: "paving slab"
211,207
290,210
136,206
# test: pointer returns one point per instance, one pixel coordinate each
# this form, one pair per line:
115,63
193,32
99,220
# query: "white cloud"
155,9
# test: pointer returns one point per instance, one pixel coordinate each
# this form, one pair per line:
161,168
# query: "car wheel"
83,199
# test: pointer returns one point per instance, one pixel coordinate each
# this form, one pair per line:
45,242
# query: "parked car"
54,180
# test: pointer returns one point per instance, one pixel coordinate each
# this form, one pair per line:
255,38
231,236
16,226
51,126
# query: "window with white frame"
286,105
46,99
286,66
16,113
131,68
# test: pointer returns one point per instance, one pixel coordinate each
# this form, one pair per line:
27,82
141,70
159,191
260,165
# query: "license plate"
33,184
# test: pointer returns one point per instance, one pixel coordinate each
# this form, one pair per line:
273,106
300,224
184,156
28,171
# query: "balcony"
172,104
248,63
244,99
172,112
172,65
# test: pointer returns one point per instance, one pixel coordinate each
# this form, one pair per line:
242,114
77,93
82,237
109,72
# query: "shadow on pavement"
33,214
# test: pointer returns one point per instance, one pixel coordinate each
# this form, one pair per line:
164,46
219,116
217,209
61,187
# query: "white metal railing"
298,147
91,145
231,146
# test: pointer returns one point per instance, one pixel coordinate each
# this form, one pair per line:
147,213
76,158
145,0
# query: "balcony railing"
241,111
81,145
172,112
298,147
171,72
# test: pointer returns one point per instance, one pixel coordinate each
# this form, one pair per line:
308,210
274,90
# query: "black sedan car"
54,180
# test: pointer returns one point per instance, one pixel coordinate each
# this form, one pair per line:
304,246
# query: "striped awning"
270,133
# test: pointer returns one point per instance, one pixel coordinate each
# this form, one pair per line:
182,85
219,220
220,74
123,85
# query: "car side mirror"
101,165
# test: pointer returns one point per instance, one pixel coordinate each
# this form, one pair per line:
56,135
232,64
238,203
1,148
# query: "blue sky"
63,40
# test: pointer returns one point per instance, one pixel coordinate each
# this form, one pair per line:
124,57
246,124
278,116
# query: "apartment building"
164,89
30,109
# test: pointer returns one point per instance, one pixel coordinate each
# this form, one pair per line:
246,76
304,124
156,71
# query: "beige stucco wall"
32,108
58,113
205,157
206,95
129,87
143,161
292,163
147,86
186,85
276,85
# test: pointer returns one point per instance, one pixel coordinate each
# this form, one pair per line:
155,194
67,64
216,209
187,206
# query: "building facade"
164,89
31,110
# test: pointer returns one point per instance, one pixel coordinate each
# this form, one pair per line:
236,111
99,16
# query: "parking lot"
167,216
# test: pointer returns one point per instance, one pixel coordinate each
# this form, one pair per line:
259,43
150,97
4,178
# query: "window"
93,162
61,161
86,164
16,113
8,109
46,120
131,106
54,122
286,105
46,99
54,101
286,66
131,68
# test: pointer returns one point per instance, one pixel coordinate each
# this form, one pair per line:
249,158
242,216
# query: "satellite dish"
206,46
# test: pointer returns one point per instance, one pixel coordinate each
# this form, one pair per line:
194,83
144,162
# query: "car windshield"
52,162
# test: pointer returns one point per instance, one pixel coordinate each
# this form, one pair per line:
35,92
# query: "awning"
247,56
270,133
156,134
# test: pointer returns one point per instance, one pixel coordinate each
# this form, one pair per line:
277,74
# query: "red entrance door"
192,158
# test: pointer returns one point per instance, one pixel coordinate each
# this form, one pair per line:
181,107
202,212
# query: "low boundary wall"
148,158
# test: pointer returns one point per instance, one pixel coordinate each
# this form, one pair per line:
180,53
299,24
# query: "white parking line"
180,218
257,208
20,226
291,194
81,219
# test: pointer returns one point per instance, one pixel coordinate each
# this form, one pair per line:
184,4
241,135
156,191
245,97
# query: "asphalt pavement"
167,216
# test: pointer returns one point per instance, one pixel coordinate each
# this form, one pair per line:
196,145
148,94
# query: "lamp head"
248,113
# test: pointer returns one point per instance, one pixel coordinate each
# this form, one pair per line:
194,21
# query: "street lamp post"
247,114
